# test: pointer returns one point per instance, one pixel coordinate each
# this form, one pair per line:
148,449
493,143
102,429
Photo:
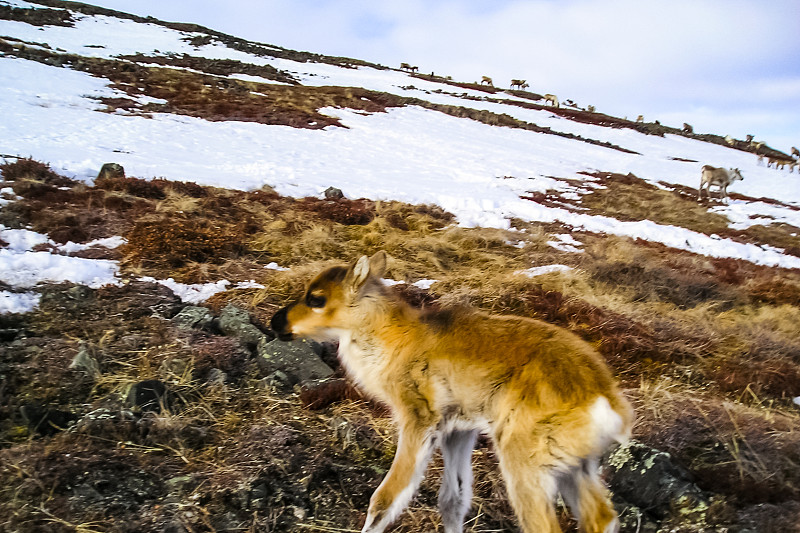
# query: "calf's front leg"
414,448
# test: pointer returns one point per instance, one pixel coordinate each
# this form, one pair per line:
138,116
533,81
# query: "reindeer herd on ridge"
718,177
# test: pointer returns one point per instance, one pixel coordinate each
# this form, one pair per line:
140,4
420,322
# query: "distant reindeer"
520,84
748,139
552,99
640,119
719,177
406,66
687,128
487,80
544,396
590,109
729,140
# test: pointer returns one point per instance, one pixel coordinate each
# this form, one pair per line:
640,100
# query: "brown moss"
342,211
774,290
173,242
153,189
664,285
34,171
748,454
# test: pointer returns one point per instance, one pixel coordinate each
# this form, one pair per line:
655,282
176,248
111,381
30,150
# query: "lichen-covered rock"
298,359
193,317
84,360
333,193
650,480
235,322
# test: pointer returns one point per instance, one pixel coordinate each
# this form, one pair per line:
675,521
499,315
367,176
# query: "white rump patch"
607,421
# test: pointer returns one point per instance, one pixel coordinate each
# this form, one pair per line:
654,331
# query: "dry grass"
707,349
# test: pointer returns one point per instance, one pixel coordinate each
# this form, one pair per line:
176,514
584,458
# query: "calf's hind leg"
455,493
586,497
529,473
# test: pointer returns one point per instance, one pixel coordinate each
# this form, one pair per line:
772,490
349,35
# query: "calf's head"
735,174
329,302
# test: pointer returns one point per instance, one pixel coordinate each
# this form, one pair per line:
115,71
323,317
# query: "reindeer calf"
543,395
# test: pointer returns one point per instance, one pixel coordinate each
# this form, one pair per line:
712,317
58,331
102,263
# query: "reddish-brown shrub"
343,211
33,170
175,242
134,186
775,291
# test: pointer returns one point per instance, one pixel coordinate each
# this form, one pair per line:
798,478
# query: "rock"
111,170
216,377
235,322
298,359
80,292
44,420
332,193
276,381
86,361
149,395
193,317
650,480
631,518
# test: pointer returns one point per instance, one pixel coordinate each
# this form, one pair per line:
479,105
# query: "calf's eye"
313,300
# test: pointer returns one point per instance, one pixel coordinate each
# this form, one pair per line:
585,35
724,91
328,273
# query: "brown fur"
544,396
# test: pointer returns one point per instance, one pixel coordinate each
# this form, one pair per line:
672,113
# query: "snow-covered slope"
412,153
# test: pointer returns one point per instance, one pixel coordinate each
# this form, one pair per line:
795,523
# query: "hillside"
140,389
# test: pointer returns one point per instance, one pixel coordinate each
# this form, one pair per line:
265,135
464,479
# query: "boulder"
193,317
111,170
299,359
332,193
650,480
235,322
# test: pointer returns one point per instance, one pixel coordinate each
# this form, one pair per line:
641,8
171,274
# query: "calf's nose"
280,325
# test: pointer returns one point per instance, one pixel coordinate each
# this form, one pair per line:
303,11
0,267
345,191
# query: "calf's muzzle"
280,324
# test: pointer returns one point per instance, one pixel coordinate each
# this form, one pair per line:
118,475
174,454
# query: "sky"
724,66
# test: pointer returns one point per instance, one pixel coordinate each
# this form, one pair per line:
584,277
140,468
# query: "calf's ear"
366,267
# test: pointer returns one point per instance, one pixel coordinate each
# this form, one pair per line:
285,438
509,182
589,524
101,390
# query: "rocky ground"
232,430
123,408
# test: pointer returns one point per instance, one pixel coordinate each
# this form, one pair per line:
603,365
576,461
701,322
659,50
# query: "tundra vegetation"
706,349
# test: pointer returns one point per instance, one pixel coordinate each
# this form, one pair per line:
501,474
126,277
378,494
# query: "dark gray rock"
235,322
650,480
44,420
150,395
111,170
298,359
193,317
84,360
332,193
